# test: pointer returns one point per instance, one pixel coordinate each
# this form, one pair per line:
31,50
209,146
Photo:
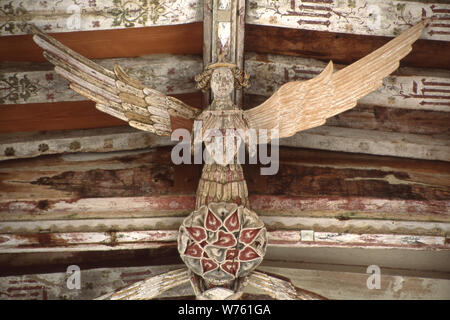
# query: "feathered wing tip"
115,92
301,105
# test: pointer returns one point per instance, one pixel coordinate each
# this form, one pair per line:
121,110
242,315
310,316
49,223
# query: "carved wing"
115,92
300,105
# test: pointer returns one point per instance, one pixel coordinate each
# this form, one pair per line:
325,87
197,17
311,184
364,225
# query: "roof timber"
103,44
342,48
117,240
340,208
85,15
161,229
308,184
66,115
421,89
331,284
416,146
413,146
171,74
418,89
366,17
374,117
407,88
33,144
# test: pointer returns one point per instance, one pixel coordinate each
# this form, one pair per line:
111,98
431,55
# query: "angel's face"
222,82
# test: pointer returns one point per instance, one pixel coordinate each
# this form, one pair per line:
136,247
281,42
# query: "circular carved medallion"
222,241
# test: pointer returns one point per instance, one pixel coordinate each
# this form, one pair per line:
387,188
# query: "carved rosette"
221,242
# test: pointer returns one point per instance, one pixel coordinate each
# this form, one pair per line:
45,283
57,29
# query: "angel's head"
222,78
222,82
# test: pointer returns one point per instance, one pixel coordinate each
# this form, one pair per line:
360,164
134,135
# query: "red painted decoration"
198,234
248,235
194,250
208,265
225,240
230,266
212,223
232,222
232,254
248,254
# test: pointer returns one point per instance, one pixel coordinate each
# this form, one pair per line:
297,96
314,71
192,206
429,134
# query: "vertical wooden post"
223,33
207,34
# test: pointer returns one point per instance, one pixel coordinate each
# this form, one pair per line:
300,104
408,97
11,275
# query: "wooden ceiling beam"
154,239
406,88
335,282
340,47
145,208
104,44
85,15
374,117
65,115
307,174
38,83
369,18
13,146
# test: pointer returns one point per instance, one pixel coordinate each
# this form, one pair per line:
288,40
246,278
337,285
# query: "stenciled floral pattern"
13,88
130,13
14,18
61,15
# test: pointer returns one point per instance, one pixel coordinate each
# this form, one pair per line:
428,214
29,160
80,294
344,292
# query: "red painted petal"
198,234
232,254
208,265
194,250
212,222
232,222
230,266
248,235
225,240
248,254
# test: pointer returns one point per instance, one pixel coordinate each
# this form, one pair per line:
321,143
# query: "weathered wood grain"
340,208
373,117
349,207
333,284
308,183
406,88
105,44
317,173
339,47
33,83
24,145
94,283
148,239
372,142
347,285
68,15
365,17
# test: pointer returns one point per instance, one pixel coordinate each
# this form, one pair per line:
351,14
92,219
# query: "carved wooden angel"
223,240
